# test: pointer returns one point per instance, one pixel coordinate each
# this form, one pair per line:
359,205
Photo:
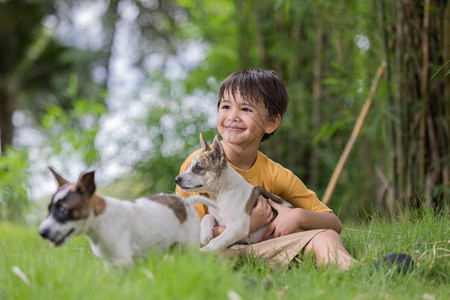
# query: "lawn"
31,269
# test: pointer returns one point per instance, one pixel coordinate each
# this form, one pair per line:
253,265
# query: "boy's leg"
282,249
328,249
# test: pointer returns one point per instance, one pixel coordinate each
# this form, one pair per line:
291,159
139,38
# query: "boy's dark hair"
256,85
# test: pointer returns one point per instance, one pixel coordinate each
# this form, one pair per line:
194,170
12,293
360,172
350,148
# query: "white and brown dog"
120,230
210,173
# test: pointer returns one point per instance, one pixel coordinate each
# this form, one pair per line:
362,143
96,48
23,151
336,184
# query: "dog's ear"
61,180
204,143
86,183
217,153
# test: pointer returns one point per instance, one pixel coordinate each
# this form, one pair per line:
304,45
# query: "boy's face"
242,122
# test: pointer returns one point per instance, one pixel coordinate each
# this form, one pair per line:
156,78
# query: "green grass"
73,272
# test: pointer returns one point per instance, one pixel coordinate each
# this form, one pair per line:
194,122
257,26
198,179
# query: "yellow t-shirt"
272,177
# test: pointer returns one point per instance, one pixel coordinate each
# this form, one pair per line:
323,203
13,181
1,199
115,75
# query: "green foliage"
73,130
440,69
327,74
33,270
14,184
35,66
172,127
326,51
219,32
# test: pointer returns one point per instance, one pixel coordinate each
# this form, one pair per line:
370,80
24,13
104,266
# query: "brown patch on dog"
77,203
62,187
99,205
174,203
256,191
251,202
79,213
272,197
205,162
81,203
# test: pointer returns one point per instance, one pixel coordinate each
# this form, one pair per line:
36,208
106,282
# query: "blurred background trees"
125,86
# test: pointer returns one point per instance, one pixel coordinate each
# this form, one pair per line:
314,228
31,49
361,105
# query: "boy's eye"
246,109
225,106
197,169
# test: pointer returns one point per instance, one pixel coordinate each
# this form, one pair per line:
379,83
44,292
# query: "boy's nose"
233,115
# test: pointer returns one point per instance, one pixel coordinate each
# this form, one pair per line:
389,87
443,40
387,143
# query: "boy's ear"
86,183
204,143
217,153
273,124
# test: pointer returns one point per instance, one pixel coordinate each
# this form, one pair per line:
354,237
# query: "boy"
251,105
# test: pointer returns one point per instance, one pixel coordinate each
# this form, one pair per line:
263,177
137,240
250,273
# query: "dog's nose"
177,179
44,232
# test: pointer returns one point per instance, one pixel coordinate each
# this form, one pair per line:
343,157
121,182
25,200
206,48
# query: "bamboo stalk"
400,155
445,137
316,94
424,93
354,134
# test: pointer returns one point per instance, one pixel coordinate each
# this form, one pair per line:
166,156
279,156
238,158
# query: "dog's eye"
61,210
197,169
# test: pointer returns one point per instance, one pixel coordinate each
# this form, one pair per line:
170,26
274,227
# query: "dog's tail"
194,199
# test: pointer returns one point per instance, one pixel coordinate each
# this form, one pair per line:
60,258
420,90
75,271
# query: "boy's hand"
261,214
285,223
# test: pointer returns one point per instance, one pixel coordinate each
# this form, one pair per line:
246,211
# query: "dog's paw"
206,237
204,249
207,229
207,248
121,263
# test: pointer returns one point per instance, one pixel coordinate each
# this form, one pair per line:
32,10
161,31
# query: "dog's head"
71,208
204,170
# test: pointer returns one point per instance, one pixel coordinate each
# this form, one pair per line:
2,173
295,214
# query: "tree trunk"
244,33
446,102
6,112
392,188
261,54
421,103
399,125
424,113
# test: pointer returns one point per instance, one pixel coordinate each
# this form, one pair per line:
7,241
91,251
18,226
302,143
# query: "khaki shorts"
283,249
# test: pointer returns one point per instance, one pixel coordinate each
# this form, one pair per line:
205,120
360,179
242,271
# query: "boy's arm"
318,220
290,219
218,230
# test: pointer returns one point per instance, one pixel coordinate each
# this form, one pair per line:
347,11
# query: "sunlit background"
125,87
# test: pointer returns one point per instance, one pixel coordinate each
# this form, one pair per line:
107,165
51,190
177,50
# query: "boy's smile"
234,128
